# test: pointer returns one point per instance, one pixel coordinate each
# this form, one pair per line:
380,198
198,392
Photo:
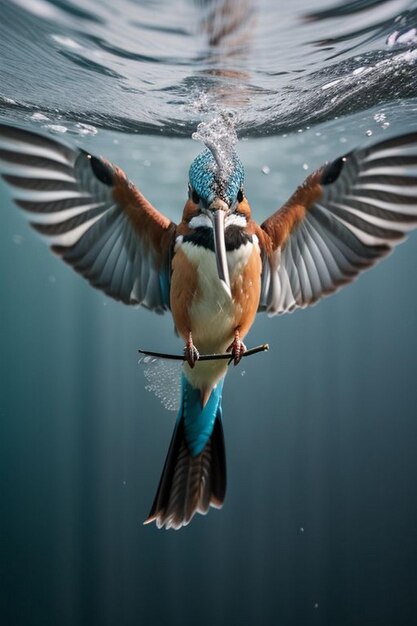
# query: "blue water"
319,525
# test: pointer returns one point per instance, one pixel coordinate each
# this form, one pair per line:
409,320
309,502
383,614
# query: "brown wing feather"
281,224
147,221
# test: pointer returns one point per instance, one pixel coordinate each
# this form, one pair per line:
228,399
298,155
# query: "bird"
217,268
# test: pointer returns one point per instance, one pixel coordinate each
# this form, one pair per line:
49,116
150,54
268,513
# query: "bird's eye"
240,195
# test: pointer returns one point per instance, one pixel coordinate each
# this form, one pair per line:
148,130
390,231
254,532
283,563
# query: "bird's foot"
191,354
237,348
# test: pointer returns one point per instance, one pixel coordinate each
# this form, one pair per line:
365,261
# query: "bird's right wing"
91,215
340,221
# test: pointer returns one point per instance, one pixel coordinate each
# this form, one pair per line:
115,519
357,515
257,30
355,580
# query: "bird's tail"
194,474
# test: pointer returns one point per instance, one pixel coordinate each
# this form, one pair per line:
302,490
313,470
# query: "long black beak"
217,216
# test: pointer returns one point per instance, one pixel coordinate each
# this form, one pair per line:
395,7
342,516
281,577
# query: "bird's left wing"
340,221
91,215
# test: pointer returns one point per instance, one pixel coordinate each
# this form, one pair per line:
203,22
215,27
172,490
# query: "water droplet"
305,166
86,129
368,133
56,128
219,135
316,605
379,117
243,373
266,169
124,482
164,380
39,117
301,529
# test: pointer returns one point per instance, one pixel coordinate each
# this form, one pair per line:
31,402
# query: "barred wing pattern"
91,215
342,220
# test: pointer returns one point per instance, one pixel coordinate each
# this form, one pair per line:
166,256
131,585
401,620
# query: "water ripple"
143,67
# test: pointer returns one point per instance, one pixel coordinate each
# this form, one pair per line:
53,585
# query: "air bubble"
219,135
56,128
39,117
379,117
163,380
85,129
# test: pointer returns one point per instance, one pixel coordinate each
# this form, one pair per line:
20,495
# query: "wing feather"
342,220
91,215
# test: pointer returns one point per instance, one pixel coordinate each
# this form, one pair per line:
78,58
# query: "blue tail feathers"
194,474
199,422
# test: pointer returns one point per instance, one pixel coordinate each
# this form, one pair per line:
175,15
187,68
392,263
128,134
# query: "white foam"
219,135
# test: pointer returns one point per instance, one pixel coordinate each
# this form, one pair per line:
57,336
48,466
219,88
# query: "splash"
163,380
219,135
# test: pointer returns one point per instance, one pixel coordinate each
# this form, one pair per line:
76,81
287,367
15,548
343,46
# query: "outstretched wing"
342,220
91,215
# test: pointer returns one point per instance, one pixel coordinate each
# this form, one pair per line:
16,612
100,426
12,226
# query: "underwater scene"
218,105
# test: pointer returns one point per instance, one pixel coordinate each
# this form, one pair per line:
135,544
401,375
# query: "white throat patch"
200,221
203,221
236,220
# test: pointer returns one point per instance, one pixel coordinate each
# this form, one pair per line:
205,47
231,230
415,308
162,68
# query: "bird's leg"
191,353
237,348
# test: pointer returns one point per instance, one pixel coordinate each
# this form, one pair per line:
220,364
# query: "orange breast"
246,290
184,284
199,303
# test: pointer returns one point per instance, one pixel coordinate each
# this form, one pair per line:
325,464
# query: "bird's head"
217,201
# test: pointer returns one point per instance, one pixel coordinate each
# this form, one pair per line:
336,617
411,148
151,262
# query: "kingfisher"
217,268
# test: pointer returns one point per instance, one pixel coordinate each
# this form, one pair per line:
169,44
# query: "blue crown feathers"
210,180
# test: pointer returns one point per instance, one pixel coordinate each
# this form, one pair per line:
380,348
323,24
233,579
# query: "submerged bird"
217,268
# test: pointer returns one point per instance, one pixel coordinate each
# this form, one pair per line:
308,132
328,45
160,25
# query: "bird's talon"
237,348
191,354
